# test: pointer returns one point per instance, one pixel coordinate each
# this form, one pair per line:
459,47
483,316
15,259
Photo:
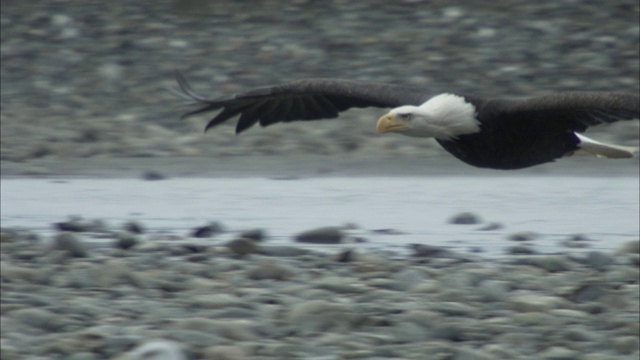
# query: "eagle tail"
606,150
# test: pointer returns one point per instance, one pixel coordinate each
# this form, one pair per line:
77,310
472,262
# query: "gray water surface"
604,209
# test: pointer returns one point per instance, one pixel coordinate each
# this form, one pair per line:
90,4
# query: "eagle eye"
405,116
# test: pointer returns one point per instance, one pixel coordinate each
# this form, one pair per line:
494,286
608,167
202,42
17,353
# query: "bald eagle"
483,132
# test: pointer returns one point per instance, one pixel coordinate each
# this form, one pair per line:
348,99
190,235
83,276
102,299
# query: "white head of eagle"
445,116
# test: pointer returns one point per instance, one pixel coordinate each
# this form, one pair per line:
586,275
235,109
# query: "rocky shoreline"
84,94
66,300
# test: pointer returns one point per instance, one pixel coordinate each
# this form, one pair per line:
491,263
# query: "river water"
604,209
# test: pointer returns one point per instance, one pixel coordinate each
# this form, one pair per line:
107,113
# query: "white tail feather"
606,150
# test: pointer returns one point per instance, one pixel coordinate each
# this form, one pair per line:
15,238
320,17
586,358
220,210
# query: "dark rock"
324,235
153,176
464,218
521,250
253,234
209,230
285,251
69,243
387,232
126,240
134,227
269,270
577,241
523,236
491,227
77,224
345,256
422,250
242,246
550,263
599,260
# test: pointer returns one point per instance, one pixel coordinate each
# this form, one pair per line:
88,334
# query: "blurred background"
87,79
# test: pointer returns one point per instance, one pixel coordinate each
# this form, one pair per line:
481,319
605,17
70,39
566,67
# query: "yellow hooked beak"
389,123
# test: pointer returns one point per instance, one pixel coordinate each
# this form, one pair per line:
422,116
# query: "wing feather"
310,99
578,110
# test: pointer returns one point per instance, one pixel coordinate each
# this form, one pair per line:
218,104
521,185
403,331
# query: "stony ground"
147,294
87,80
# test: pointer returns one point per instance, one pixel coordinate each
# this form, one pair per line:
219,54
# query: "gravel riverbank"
141,296
86,79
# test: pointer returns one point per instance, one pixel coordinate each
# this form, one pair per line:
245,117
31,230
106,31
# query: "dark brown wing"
577,110
309,99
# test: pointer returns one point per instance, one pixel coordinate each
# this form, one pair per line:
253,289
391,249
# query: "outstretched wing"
577,110
309,99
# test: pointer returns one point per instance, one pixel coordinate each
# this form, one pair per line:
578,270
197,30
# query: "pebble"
323,235
70,244
242,246
465,218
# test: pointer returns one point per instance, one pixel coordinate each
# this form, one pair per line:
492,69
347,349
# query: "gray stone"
450,308
464,218
225,352
320,316
242,246
253,234
155,350
269,269
523,236
41,318
126,240
630,247
323,235
70,244
283,251
559,353
626,345
599,260
536,303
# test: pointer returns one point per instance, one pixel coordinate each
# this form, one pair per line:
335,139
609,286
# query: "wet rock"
552,263
209,230
523,236
560,353
254,234
155,350
13,273
491,227
225,352
152,175
631,247
323,235
626,345
134,227
536,303
577,241
283,251
599,260
451,308
320,316
70,244
464,218
41,318
77,224
126,240
408,279
422,250
345,256
269,269
242,246
387,232
520,250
